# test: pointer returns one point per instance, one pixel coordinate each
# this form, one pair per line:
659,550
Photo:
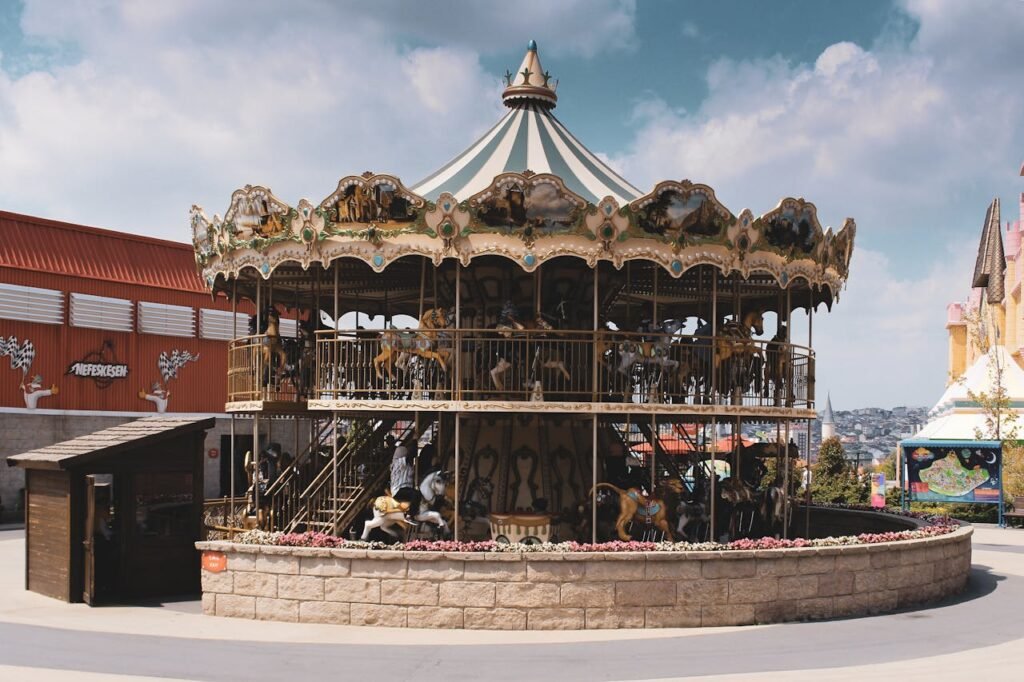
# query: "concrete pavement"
980,632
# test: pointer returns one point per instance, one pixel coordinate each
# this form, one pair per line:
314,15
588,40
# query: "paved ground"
979,634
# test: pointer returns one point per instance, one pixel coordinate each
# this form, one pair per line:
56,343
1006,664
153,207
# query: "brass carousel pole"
458,435
654,422
256,420
786,504
593,439
334,415
714,393
810,422
234,335
458,380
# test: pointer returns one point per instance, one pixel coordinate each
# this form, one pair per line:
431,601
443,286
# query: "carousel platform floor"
976,634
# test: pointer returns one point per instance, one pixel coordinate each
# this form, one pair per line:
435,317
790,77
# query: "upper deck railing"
531,365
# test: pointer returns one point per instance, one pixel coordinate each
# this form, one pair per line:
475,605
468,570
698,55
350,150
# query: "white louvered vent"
100,312
216,325
29,304
289,328
166,320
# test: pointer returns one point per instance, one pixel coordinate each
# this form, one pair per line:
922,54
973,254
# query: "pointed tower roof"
531,82
528,137
991,263
827,417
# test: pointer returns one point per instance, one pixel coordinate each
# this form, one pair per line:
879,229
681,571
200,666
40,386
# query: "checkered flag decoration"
170,364
21,356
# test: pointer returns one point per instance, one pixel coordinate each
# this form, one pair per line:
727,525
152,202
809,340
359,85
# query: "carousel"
522,346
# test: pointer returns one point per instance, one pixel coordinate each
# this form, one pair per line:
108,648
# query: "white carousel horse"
389,512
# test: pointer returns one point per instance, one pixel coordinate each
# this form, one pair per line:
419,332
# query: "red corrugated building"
87,314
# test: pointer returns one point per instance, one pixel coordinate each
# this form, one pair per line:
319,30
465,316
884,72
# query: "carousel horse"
775,513
514,348
423,342
732,352
271,347
740,498
395,509
653,350
777,367
649,510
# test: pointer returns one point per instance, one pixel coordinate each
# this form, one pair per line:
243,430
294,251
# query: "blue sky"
905,115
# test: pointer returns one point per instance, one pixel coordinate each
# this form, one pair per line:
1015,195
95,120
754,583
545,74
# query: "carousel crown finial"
531,84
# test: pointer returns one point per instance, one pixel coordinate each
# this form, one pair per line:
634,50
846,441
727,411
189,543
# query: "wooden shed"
114,515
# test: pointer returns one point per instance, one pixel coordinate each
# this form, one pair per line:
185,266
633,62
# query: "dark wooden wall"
48,533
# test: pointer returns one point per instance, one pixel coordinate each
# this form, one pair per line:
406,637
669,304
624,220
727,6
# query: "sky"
907,115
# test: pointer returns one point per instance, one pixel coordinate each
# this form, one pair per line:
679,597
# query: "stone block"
680,569
672,616
256,584
645,593
241,562
853,562
732,614
715,569
386,615
798,586
753,590
324,612
325,566
355,590
466,594
494,619
222,582
277,563
284,610
809,565
527,595
603,571
899,577
775,611
408,592
303,587
236,606
439,570
832,584
619,617
496,571
434,617
587,594
870,581
209,604
776,567
692,592
816,608
886,557
555,619
555,571
378,568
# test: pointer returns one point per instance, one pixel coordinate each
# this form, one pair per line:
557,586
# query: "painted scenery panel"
674,213
380,204
255,217
541,207
792,229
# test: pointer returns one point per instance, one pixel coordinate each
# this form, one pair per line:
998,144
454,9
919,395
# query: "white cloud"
180,103
911,139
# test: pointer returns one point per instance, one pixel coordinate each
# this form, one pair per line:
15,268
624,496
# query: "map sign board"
953,471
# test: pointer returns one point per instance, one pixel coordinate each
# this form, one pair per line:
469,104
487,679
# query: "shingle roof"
991,264
145,431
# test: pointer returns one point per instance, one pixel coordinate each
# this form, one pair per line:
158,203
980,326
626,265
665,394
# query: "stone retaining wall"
539,591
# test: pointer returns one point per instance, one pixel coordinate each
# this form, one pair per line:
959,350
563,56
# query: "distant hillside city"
869,434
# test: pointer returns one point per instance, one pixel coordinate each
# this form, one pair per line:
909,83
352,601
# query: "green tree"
773,475
833,478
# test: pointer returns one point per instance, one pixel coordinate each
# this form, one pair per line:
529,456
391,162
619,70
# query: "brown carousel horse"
637,507
509,323
736,352
422,342
271,347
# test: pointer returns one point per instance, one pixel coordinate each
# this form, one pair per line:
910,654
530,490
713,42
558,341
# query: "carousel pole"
336,350
786,486
714,393
593,476
458,435
234,335
457,345
593,397
810,423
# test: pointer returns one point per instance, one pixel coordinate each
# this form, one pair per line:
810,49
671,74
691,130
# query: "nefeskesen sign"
97,370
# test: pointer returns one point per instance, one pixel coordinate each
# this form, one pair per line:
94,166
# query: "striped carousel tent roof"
528,137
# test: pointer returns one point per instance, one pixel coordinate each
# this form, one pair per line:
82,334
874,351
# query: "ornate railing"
582,366
267,368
